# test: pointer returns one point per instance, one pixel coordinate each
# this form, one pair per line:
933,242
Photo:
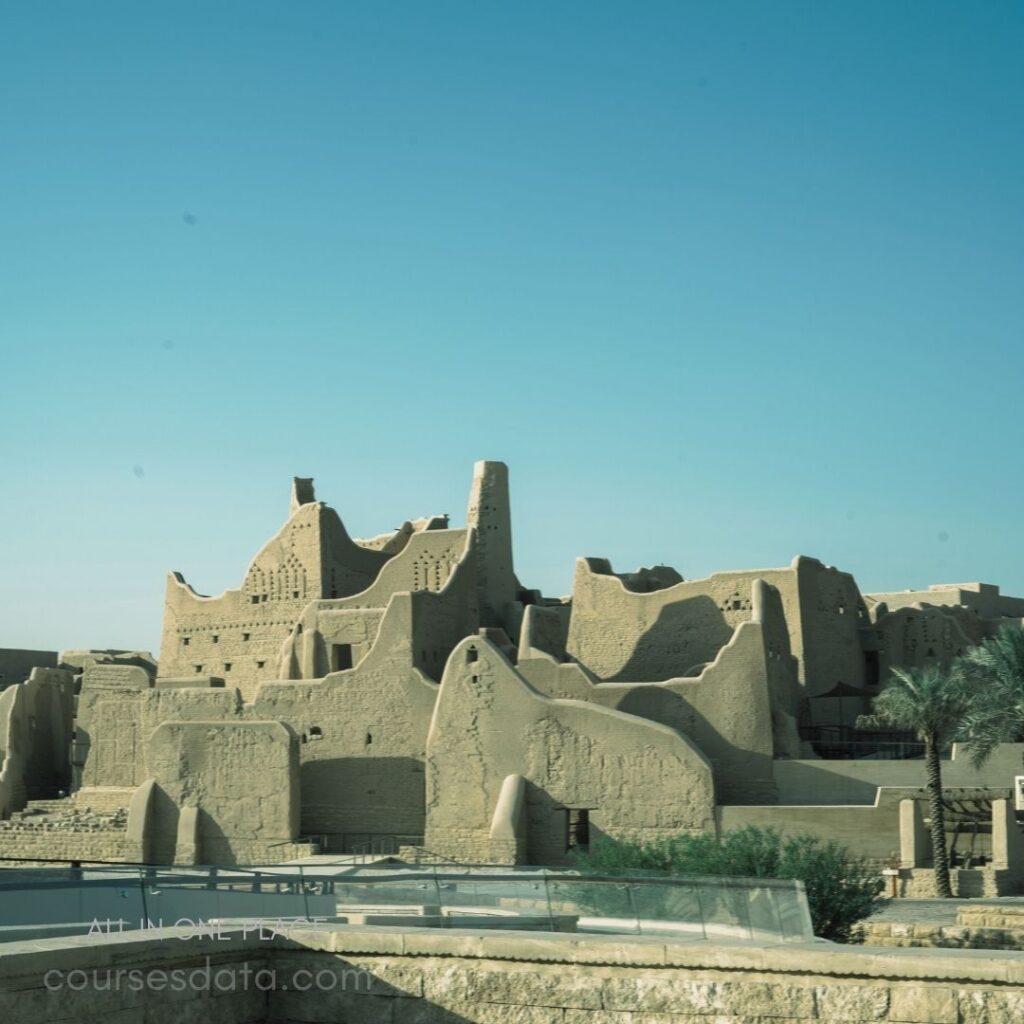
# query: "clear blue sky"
722,283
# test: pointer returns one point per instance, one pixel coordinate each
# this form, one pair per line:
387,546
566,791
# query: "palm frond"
995,669
929,701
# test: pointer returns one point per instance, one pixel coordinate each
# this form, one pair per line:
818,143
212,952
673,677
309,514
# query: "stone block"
851,1002
924,1004
987,1007
508,985
664,993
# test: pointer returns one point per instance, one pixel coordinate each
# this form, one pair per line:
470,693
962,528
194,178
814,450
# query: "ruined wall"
241,777
334,635
364,732
624,636
740,711
635,778
545,630
35,734
425,563
16,665
238,635
80,660
832,614
982,598
118,709
915,636
364,729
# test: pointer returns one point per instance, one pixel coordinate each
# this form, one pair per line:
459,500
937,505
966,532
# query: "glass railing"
40,902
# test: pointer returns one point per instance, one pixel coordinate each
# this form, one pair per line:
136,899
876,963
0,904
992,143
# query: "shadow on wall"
547,829
729,762
685,636
162,844
360,994
555,831
360,795
215,846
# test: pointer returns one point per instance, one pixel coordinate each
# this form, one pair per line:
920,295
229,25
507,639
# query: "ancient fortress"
407,693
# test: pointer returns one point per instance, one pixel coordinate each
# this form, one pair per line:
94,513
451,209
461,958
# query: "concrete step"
54,806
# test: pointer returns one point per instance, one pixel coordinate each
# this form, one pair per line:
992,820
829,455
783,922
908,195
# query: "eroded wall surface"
241,781
238,635
35,736
365,730
626,636
635,779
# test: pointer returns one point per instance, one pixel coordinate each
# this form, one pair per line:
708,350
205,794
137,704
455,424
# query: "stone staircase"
56,805
64,815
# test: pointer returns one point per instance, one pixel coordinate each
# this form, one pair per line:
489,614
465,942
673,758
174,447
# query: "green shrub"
842,889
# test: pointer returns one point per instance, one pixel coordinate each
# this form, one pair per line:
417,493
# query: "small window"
185,641
227,666
341,657
245,636
872,668
295,595
199,668
215,638
472,654
369,738
315,732
255,599
579,829
264,597
260,664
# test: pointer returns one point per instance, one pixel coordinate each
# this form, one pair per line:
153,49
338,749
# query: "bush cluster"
842,889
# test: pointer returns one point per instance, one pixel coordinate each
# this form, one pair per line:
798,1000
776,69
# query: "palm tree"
996,668
931,702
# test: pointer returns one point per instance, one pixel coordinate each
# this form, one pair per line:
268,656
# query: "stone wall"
64,845
949,936
387,976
